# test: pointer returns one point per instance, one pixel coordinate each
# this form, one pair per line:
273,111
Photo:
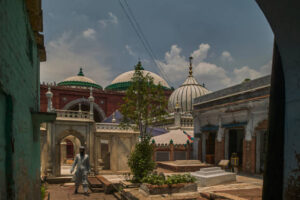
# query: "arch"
72,132
85,102
60,137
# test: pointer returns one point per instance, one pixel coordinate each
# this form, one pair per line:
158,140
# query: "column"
197,133
203,138
171,146
91,100
195,148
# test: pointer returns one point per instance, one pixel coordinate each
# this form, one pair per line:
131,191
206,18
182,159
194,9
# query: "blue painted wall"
19,96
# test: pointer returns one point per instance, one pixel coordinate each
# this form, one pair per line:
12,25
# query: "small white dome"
185,95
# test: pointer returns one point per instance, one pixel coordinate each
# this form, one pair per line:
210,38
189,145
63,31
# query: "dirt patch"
251,194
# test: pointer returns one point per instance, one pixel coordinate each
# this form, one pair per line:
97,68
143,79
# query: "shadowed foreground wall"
19,98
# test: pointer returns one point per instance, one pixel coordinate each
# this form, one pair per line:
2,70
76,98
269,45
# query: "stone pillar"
171,146
91,100
114,160
44,152
203,138
196,148
63,152
199,150
249,155
197,135
50,152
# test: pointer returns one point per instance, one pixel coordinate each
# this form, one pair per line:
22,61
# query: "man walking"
83,168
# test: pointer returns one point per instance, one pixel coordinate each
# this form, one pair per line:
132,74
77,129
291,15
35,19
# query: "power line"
130,16
147,43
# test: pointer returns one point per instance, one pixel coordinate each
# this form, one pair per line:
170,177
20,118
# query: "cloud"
89,33
112,19
267,68
240,74
226,56
215,77
129,50
201,53
63,60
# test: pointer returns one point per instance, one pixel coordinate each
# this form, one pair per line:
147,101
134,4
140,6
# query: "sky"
229,40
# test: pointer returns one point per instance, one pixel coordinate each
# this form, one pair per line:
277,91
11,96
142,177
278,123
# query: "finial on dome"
80,73
191,67
139,66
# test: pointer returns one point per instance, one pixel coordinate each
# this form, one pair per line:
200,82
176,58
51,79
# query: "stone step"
59,180
94,182
97,190
210,169
207,173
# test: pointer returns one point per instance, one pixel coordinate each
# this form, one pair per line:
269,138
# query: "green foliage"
43,191
160,179
140,160
144,104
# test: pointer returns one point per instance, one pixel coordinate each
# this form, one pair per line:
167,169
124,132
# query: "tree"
144,104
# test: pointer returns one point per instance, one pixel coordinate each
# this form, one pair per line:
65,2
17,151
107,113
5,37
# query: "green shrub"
155,179
140,160
43,191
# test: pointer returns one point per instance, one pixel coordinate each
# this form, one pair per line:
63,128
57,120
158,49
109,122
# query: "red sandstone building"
73,93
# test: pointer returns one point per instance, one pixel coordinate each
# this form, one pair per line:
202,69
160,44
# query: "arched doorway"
69,147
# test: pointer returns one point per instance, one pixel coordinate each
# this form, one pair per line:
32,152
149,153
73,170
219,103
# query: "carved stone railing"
73,114
112,126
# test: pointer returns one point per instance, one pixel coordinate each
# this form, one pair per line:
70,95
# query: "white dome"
80,79
185,95
127,76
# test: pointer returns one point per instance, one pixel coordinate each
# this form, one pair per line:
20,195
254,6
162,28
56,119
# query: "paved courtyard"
244,188
66,192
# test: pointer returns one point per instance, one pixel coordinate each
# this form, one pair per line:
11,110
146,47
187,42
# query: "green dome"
123,81
79,81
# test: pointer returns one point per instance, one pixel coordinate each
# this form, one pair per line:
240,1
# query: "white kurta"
83,168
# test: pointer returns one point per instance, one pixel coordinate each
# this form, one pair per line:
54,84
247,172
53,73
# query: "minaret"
49,96
191,66
91,100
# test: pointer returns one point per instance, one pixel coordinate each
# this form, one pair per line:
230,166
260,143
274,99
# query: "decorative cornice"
79,83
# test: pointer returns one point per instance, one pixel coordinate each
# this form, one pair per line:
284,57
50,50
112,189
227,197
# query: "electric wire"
137,29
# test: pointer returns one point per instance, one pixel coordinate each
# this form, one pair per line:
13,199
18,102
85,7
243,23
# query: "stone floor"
245,187
66,192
